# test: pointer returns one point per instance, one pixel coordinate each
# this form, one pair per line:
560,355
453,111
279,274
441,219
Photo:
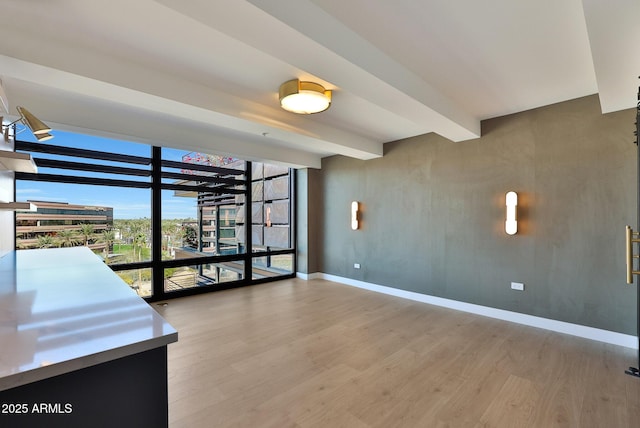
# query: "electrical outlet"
356,265
517,286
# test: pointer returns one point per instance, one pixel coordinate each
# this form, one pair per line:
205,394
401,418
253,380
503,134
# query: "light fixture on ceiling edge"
40,129
304,97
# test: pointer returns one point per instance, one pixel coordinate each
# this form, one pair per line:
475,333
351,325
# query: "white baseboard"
592,333
309,276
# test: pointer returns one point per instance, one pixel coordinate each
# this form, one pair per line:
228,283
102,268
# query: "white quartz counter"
63,309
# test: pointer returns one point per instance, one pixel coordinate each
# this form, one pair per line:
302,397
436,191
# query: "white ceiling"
204,74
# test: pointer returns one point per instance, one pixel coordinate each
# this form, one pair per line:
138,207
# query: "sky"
127,203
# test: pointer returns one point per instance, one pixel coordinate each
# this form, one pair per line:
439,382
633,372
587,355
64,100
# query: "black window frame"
154,171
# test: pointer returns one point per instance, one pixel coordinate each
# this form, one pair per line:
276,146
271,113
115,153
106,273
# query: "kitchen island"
78,346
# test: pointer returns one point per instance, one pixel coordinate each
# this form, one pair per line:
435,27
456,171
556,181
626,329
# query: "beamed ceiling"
204,74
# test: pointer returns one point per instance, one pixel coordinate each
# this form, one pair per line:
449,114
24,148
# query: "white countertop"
63,309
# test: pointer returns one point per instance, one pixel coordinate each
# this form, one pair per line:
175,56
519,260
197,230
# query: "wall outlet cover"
517,286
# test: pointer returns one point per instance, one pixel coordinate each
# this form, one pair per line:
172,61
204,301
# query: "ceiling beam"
614,49
367,71
83,72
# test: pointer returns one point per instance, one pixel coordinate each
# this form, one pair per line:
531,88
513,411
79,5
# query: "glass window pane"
132,241
138,279
180,235
206,210
230,271
271,266
114,222
117,160
271,208
203,205
202,275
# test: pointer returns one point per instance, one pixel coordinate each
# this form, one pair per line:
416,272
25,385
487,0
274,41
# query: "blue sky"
127,203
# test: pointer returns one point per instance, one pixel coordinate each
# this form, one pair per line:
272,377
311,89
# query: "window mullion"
156,222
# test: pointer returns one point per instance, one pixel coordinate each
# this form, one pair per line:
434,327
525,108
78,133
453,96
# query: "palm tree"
107,236
133,229
45,241
67,238
19,240
126,229
169,229
138,241
86,230
180,235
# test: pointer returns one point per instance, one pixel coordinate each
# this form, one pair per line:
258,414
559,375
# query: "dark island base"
127,392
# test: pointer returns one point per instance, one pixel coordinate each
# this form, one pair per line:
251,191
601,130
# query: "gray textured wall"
302,220
433,215
309,213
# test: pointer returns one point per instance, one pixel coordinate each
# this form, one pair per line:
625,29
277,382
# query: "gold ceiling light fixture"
39,128
304,97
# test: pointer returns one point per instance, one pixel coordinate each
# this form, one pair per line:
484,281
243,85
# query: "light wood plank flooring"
319,354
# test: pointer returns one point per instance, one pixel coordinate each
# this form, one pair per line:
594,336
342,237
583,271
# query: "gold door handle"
631,238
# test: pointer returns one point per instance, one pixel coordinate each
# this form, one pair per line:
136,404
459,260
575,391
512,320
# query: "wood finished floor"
314,353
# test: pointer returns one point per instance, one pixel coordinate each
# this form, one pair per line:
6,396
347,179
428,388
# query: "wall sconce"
39,128
354,215
511,223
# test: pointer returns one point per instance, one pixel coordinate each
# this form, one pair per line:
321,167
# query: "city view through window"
86,195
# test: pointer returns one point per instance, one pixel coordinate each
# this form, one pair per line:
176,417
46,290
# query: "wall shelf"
17,206
14,161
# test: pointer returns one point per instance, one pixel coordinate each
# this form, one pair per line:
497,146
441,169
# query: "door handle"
631,238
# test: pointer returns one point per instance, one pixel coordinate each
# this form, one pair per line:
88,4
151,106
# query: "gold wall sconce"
39,128
511,222
355,215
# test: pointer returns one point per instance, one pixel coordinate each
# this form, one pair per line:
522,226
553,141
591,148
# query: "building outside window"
61,224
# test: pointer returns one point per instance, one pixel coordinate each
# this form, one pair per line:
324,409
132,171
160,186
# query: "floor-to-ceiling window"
271,195
170,222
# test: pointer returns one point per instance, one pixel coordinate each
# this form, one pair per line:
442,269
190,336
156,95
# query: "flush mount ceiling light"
304,97
39,128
